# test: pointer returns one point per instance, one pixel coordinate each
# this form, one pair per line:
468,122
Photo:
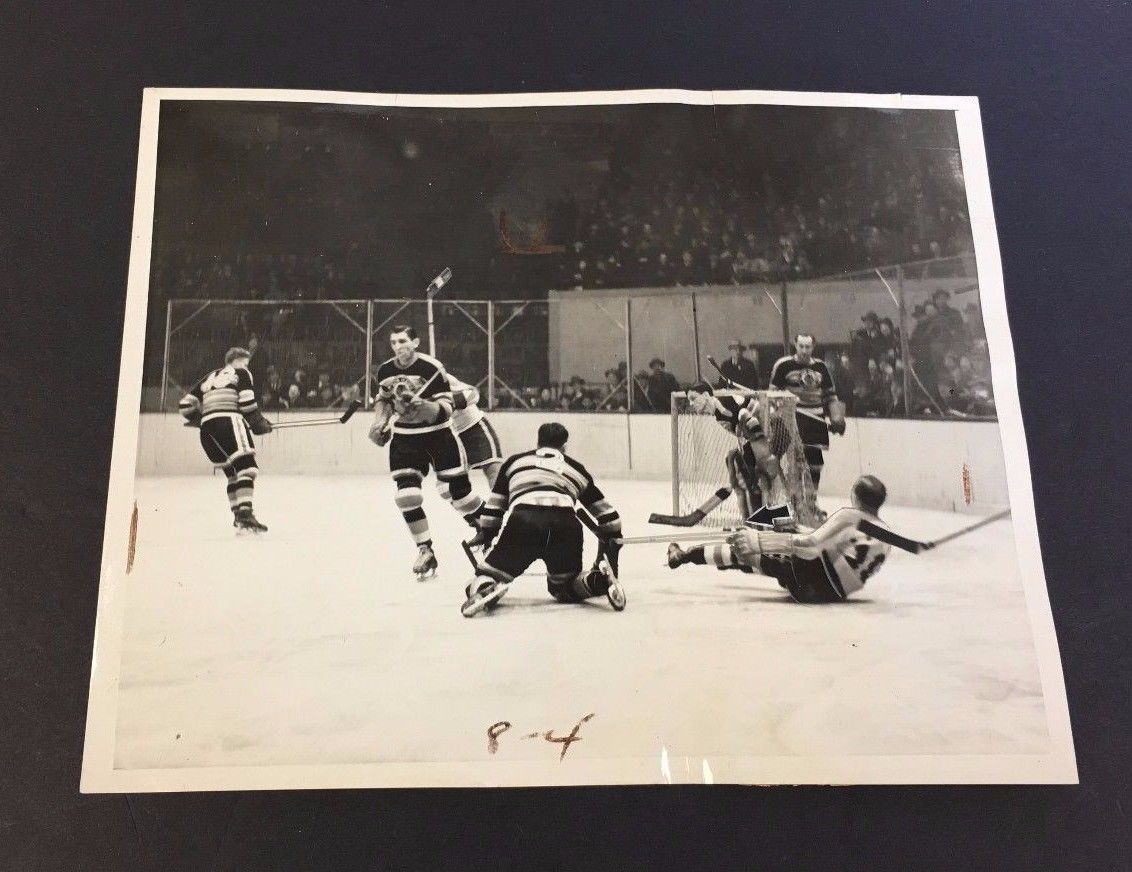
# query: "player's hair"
701,387
407,329
870,492
235,354
802,333
552,435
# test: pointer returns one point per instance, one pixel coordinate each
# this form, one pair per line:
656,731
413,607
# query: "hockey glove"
259,424
193,420
837,417
422,411
611,548
380,435
483,538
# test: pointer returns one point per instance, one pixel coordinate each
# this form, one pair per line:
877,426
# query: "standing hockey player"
414,407
539,492
223,406
819,411
821,566
477,437
753,466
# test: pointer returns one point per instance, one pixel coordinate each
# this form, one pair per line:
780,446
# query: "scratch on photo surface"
131,547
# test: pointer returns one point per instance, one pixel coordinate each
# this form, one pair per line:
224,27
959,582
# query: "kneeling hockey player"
539,491
223,405
820,566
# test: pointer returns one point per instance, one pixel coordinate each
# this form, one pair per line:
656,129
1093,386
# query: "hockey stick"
693,517
733,385
315,422
431,291
883,534
700,536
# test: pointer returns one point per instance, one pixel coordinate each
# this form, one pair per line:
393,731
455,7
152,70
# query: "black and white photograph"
587,438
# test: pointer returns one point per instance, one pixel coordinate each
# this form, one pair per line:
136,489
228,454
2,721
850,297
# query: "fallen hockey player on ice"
824,565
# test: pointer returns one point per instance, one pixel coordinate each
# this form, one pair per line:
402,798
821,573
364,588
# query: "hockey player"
752,467
539,492
413,411
477,437
819,411
819,566
223,406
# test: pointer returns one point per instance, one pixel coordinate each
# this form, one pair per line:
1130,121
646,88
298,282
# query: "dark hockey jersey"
810,382
395,381
547,477
225,391
738,415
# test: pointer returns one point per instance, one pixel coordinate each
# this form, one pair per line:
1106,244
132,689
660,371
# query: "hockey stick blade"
439,282
350,409
694,517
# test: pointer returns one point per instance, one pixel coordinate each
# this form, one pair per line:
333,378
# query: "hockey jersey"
396,382
811,382
466,412
225,391
547,477
849,556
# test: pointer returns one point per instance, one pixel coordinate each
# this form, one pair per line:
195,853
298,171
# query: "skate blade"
425,576
472,608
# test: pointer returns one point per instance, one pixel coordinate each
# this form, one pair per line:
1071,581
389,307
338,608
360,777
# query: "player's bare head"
869,493
552,435
804,344
403,340
238,356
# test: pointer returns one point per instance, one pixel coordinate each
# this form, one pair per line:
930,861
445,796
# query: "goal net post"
700,446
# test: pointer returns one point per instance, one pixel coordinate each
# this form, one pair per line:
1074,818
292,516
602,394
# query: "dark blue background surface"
1054,84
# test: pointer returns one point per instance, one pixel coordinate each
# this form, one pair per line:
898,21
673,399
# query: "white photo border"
1057,766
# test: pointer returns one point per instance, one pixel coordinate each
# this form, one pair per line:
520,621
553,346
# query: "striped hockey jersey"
225,391
547,477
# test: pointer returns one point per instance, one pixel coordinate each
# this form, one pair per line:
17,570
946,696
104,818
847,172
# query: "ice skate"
425,565
245,521
484,596
677,556
614,592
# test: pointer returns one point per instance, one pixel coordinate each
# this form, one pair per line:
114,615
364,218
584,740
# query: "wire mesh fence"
903,340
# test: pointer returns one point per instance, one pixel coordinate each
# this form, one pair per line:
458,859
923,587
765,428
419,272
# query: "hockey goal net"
699,458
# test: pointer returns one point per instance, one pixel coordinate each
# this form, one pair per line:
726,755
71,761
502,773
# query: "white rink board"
921,462
313,645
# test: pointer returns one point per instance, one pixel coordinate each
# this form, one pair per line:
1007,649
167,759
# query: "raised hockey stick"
912,546
733,385
316,422
431,291
694,517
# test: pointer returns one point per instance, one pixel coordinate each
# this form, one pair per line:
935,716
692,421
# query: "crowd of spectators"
950,365
696,225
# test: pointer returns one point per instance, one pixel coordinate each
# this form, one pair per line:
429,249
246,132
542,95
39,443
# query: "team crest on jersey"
806,378
401,387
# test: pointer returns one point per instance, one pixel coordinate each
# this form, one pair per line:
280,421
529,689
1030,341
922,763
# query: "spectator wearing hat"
951,322
738,369
660,386
866,342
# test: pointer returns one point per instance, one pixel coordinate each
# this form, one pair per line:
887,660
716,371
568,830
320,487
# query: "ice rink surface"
314,644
